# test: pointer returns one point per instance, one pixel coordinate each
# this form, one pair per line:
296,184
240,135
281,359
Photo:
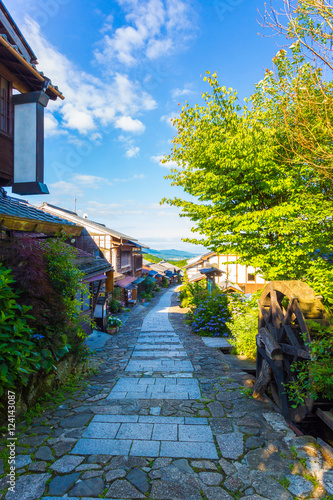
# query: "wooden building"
19,219
22,112
244,277
123,252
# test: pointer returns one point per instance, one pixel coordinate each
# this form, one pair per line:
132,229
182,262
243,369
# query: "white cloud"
158,48
65,188
181,92
129,179
91,181
127,124
90,102
132,152
168,118
158,159
154,28
108,24
51,125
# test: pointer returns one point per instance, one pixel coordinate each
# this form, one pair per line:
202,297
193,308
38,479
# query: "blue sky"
124,66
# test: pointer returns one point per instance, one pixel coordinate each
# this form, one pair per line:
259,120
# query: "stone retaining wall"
40,384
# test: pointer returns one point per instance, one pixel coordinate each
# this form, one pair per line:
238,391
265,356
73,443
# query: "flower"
38,336
114,321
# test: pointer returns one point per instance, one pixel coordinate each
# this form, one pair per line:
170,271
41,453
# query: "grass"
284,482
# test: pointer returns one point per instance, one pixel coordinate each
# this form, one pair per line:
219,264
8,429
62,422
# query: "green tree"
302,89
247,200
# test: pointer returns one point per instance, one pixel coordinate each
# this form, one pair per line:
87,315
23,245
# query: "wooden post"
109,284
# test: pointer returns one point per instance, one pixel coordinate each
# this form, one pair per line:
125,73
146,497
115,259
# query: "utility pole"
75,200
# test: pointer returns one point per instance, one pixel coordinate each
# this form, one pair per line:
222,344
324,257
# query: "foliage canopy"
248,200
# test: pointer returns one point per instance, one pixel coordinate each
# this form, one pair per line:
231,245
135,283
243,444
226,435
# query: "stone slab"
98,430
200,433
144,448
231,444
115,418
188,450
165,432
218,342
102,446
135,431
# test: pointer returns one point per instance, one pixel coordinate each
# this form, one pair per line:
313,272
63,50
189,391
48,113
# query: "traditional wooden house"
236,277
22,113
123,252
20,219
98,274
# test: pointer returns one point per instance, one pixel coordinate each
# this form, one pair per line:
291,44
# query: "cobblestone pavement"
165,418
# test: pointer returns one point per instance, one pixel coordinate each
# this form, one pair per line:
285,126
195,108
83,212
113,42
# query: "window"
5,111
137,262
251,277
125,259
84,298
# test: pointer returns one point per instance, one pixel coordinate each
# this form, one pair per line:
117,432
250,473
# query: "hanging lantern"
29,143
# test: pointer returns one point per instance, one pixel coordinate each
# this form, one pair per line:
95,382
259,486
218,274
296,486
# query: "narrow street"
164,418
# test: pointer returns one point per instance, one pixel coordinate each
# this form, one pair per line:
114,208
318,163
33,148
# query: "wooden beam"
96,298
32,70
17,84
33,225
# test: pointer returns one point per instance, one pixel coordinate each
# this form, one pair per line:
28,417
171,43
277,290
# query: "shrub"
192,294
148,285
18,358
165,282
210,316
114,305
113,321
158,289
314,376
244,323
48,281
244,329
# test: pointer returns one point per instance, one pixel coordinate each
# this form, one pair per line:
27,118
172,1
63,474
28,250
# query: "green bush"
114,305
244,329
18,358
244,323
314,376
192,294
148,285
209,315
165,282
113,321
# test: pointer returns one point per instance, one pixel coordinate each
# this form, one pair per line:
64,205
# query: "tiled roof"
95,267
125,282
194,260
16,207
82,221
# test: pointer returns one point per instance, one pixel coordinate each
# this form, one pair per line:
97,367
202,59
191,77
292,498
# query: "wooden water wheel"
282,340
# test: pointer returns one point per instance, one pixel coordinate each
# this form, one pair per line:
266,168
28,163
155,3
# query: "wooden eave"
24,76
34,225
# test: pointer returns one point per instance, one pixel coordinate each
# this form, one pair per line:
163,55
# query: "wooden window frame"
122,256
9,132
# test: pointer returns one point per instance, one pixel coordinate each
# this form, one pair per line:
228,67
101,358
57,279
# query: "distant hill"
171,254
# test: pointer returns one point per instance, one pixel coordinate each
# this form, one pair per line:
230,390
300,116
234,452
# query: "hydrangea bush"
113,321
210,316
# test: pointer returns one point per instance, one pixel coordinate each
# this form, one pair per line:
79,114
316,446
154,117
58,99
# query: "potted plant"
113,323
143,296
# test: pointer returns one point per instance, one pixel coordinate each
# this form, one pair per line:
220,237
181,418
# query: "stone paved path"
165,418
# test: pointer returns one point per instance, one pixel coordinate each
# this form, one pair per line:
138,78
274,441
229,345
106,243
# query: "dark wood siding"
6,160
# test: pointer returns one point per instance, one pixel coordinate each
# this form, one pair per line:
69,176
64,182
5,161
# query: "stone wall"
40,384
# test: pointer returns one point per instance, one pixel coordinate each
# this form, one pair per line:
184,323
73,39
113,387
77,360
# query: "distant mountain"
172,254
